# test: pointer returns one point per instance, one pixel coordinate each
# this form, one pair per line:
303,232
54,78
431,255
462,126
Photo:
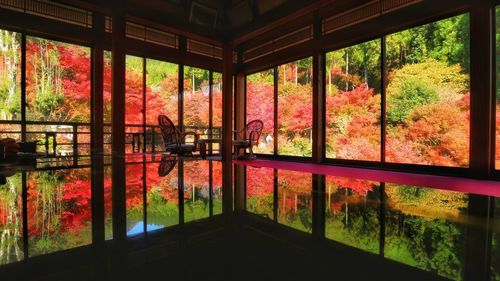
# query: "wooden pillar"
478,243
318,126
97,148
478,238
97,122
227,135
180,105
118,123
481,88
239,171
319,206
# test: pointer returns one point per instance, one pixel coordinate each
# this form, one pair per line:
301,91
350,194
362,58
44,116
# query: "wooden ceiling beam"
138,11
289,15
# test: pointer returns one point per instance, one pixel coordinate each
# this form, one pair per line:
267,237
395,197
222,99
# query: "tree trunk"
284,74
347,72
296,75
330,79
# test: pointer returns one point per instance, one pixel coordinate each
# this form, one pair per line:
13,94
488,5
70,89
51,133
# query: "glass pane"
260,191
11,220
196,99
162,196
107,78
162,93
497,88
10,75
260,105
428,94
134,102
353,83
57,81
196,190
423,232
352,212
59,210
295,200
217,105
133,90
295,108
134,199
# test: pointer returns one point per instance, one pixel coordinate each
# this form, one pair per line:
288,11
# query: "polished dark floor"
297,225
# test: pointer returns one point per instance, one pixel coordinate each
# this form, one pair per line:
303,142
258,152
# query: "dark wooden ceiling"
217,19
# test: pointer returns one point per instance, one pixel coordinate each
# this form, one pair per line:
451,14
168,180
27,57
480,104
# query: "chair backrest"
253,130
167,164
168,131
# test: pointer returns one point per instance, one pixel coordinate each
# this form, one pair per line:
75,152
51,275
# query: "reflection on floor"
298,225
403,221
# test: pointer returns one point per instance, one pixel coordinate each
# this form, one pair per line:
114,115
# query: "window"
162,93
295,108
497,88
260,105
57,81
107,106
217,103
428,94
134,101
162,98
58,90
353,87
196,99
10,76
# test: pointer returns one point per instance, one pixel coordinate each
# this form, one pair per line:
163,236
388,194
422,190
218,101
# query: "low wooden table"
203,146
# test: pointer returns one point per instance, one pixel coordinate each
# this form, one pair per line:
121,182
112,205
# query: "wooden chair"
248,137
175,140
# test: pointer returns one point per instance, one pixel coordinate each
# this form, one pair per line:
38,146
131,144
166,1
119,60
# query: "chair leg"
251,152
236,152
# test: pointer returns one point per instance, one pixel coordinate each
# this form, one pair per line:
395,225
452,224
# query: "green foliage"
261,205
10,90
297,146
409,94
423,83
265,77
447,40
157,71
161,211
433,245
359,63
357,227
48,101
